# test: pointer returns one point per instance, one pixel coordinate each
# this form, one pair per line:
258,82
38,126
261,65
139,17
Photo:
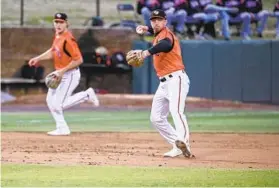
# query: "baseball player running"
67,58
173,88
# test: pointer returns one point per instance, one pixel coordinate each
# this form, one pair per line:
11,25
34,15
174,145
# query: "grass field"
239,121
62,175
86,176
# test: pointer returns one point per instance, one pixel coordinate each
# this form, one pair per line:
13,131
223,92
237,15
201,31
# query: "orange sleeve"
73,49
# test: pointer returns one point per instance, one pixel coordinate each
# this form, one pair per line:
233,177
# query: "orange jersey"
64,50
166,63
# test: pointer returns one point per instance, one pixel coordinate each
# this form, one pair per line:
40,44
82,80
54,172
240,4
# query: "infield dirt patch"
140,149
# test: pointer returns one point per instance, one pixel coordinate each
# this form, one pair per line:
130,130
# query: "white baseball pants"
170,97
61,98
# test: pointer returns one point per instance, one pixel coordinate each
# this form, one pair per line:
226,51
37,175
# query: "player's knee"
155,119
53,106
49,102
57,109
175,113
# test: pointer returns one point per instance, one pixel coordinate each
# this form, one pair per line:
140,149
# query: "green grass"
41,175
241,121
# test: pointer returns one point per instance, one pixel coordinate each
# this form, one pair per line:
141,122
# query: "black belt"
170,76
164,79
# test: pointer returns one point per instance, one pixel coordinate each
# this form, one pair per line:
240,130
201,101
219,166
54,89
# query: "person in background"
145,7
215,12
191,9
168,7
205,11
178,17
240,17
255,8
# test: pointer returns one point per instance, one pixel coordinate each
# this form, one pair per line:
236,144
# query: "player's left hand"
136,57
59,74
53,80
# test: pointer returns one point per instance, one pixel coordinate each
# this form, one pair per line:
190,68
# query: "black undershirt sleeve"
164,45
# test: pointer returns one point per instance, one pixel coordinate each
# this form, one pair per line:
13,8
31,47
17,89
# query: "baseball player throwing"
67,58
173,88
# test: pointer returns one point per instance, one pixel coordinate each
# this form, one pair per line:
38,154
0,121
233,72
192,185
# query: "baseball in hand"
139,30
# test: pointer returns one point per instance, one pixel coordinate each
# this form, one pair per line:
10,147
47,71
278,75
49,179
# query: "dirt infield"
141,149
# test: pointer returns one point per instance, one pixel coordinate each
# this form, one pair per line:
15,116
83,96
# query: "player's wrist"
62,71
38,58
145,53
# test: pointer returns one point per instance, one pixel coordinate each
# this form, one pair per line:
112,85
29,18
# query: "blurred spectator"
203,10
192,9
276,14
179,16
241,17
168,7
145,7
255,8
215,12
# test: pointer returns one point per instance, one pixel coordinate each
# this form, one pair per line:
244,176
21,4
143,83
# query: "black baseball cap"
158,14
61,16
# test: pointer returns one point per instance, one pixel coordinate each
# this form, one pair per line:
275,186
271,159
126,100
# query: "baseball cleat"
92,97
59,132
184,148
174,152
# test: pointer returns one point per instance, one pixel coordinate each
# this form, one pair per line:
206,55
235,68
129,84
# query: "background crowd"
182,15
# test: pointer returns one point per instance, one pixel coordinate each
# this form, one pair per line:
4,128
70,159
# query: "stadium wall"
245,71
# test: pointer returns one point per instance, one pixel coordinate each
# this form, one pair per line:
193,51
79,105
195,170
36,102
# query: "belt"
165,78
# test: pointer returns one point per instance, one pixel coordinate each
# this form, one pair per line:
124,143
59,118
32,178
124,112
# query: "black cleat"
185,150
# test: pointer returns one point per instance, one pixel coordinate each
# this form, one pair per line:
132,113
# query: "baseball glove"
134,58
52,80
